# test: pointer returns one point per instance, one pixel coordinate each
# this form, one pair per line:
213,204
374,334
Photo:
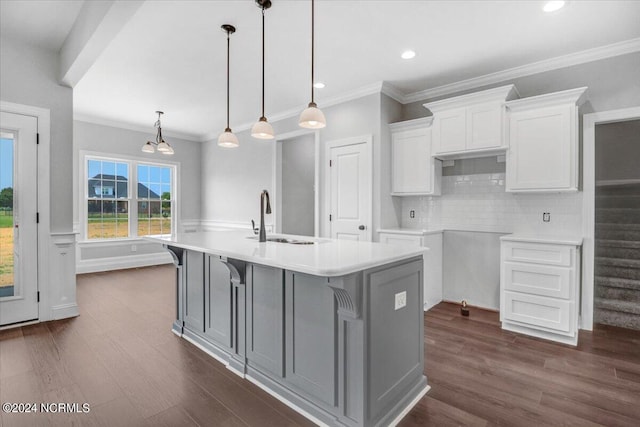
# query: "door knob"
362,227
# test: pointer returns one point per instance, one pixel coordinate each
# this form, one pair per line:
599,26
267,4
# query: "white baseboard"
122,262
64,311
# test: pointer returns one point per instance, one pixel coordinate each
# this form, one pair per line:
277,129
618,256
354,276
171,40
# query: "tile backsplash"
479,202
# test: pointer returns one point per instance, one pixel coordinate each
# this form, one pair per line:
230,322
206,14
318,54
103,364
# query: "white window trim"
132,161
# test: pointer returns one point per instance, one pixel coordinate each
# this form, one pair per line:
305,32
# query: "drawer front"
538,253
539,312
538,279
401,239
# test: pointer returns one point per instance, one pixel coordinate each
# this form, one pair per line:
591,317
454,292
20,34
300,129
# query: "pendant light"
262,129
312,117
227,139
159,143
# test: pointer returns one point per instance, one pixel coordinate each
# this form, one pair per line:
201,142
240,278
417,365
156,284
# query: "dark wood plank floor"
120,357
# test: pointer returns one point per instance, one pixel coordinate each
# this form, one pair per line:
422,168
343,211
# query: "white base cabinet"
540,286
432,259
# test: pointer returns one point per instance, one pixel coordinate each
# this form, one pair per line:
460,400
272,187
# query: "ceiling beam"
97,24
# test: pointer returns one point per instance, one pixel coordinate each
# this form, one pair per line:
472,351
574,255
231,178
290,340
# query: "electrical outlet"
401,300
134,248
546,217
412,213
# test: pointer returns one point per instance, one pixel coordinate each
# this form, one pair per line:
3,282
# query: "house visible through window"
116,209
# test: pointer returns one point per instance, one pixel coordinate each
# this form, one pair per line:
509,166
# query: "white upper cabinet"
543,142
471,125
414,171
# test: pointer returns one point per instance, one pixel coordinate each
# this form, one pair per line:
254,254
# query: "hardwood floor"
120,357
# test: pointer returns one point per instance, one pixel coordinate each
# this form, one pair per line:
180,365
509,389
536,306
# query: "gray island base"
344,348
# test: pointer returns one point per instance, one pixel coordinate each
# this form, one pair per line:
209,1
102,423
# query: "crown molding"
393,92
582,57
498,94
572,96
130,126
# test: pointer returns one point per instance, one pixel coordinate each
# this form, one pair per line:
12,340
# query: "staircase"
617,262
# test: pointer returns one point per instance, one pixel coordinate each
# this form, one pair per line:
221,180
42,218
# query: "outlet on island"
412,213
401,300
546,217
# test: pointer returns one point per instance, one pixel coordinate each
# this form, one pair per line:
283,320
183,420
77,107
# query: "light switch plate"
401,300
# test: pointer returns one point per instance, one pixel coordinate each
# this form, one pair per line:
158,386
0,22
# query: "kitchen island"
332,328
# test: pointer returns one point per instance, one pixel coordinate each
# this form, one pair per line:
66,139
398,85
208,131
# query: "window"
154,200
126,198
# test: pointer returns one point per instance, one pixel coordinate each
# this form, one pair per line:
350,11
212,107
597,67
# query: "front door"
18,226
351,190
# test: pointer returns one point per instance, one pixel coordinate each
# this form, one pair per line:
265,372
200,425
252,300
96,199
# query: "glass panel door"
7,244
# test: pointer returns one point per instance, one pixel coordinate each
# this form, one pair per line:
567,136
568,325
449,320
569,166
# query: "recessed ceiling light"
408,54
318,85
552,6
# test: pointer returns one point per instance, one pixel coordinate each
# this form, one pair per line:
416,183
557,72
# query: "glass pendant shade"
163,147
262,129
312,118
148,148
227,139
169,152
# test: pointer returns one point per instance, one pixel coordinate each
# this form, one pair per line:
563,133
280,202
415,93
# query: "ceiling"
44,23
171,55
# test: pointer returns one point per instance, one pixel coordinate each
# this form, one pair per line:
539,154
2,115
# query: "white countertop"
326,257
410,231
542,238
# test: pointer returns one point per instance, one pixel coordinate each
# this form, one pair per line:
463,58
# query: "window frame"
132,194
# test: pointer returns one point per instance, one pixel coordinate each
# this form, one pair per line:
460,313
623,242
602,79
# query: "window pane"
93,183
123,173
94,219
154,174
143,191
166,175
121,190
94,168
154,191
155,210
108,219
122,217
166,192
143,173
109,168
108,189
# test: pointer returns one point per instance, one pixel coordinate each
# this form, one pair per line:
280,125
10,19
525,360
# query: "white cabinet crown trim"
499,94
572,96
412,124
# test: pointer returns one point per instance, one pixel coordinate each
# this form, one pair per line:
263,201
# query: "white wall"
232,179
28,76
89,137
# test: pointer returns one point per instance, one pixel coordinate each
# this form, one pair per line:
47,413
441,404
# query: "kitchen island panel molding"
338,349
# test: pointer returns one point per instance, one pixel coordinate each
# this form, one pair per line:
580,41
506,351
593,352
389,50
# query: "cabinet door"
484,126
219,300
265,318
194,291
412,163
450,131
311,345
540,152
407,240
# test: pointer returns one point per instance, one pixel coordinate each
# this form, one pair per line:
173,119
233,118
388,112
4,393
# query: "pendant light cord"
312,47
228,59
262,62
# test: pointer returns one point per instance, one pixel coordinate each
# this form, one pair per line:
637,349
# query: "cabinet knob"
362,227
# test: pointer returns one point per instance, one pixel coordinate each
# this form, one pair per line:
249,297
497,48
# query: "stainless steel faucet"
263,233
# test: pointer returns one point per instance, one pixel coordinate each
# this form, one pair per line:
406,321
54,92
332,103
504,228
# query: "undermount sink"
284,240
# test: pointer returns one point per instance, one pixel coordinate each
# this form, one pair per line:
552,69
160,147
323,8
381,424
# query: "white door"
351,191
18,225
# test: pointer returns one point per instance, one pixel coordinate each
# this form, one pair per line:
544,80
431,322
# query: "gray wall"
618,151
471,274
298,171
116,141
28,75
390,207
232,179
